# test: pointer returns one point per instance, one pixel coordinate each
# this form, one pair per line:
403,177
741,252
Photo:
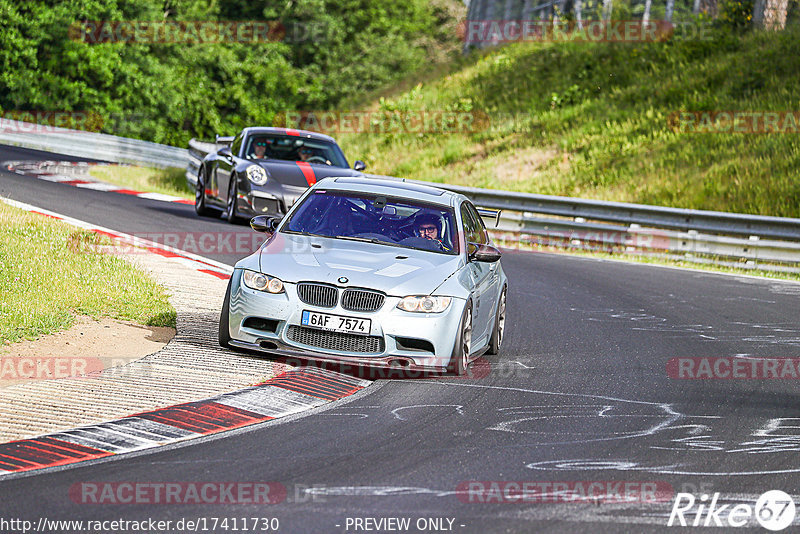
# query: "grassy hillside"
593,121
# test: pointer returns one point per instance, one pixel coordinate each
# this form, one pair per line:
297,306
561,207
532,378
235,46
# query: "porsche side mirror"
486,253
359,166
225,152
265,223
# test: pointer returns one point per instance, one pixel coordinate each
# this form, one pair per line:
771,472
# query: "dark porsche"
264,170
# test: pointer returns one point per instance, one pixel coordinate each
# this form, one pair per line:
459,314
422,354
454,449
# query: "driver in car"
260,150
427,226
305,153
311,155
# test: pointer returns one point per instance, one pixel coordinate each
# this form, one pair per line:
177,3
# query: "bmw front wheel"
459,361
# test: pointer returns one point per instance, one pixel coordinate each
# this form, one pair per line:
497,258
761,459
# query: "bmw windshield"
376,219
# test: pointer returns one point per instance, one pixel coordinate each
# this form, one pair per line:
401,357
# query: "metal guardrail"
752,252
92,145
731,239
714,222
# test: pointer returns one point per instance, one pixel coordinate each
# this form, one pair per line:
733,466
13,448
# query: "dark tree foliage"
325,51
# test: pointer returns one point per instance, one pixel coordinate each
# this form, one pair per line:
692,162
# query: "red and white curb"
65,172
294,391
199,263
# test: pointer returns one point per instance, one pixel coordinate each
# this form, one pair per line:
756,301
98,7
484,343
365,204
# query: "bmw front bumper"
270,323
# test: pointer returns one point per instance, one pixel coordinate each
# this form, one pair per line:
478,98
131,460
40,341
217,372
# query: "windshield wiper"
295,232
364,239
373,240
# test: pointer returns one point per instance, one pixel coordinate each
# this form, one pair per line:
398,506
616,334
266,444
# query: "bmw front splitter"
277,347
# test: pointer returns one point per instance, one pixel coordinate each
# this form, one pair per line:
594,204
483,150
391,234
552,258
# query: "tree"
608,6
770,14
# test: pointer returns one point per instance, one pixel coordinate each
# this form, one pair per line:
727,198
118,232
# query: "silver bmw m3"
372,272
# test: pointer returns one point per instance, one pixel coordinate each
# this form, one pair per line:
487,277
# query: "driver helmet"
428,219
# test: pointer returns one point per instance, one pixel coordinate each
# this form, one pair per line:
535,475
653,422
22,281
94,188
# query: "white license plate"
336,323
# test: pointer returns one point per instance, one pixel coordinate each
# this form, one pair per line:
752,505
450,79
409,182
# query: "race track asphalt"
580,392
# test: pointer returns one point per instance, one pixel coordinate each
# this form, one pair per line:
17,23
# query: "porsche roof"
288,131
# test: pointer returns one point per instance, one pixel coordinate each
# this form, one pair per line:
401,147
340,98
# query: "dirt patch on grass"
523,164
87,347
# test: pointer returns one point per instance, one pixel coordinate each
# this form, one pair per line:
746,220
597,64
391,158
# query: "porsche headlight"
262,282
424,304
256,174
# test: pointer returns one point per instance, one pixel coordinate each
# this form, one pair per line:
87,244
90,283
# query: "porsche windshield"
376,219
294,148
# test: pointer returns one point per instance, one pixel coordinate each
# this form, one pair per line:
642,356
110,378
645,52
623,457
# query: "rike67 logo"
774,510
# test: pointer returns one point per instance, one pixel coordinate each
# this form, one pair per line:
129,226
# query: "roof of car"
288,131
391,186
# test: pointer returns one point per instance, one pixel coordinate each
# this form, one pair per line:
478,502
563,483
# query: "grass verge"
47,276
169,181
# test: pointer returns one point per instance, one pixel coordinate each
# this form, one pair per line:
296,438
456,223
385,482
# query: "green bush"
168,93
735,14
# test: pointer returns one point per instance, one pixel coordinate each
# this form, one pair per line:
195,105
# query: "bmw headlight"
424,304
262,282
256,174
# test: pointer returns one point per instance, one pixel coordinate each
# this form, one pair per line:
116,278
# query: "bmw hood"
393,270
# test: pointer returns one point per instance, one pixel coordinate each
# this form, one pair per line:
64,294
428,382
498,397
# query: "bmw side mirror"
265,223
486,253
359,166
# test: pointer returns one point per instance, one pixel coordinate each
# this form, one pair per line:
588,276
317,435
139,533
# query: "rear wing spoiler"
225,140
486,213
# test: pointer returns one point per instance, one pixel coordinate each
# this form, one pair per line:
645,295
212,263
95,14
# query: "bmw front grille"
321,295
327,296
362,300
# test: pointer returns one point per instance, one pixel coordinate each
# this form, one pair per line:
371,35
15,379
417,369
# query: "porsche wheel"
200,196
230,207
459,362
